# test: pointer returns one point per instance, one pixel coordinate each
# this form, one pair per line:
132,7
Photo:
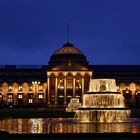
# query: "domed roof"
68,48
67,53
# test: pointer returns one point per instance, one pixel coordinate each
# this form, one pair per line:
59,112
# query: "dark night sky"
107,31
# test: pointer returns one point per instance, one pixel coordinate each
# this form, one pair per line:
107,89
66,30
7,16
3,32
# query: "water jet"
103,103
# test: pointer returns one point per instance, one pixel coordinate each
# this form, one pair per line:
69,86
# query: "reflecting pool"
65,125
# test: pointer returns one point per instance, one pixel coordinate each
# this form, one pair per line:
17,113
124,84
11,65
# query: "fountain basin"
102,115
92,108
103,103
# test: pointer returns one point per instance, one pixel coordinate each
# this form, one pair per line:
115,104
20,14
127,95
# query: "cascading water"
103,103
103,100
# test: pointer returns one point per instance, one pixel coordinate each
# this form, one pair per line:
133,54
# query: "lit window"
60,96
69,96
40,96
77,96
10,100
30,95
30,101
31,87
10,96
0,95
20,88
40,88
127,91
20,96
10,87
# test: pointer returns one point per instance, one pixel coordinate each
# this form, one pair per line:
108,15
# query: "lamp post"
35,84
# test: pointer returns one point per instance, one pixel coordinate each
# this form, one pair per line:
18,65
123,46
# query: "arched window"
78,81
60,81
69,84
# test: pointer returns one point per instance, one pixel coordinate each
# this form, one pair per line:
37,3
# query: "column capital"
56,88
74,87
49,73
65,91
65,74
74,74
82,88
48,88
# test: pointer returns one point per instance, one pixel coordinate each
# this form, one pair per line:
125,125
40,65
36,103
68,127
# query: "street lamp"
35,82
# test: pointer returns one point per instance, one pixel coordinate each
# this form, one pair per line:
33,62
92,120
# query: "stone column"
56,91
90,81
82,88
74,87
65,91
48,90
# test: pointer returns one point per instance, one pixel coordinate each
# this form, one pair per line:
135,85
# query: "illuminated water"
103,107
62,125
103,103
103,100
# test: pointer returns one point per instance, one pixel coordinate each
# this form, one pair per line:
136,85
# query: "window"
10,96
77,96
30,95
0,96
61,96
69,84
61,85
20,88
10,100
30,88
40,88
20,96
127,91
52,96
69,96
40,96
10,87
30,101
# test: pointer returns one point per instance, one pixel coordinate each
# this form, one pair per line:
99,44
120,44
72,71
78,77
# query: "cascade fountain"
73,105
102,103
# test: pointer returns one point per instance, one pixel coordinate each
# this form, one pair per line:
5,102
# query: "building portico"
64,85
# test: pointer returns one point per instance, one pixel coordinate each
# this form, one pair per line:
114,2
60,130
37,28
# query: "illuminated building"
67,75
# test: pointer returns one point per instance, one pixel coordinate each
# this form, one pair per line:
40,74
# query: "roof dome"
67,53
68,48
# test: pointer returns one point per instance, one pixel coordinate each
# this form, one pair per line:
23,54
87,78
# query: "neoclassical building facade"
66,76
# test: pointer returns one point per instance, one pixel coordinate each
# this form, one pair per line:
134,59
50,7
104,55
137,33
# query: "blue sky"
107,31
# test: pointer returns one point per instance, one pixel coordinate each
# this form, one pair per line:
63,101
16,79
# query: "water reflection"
36,125
61,125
